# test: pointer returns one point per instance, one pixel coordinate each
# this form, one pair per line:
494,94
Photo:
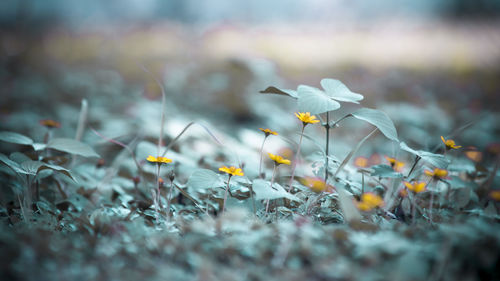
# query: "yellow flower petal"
306,118
268,132
158,159
279,160
233,171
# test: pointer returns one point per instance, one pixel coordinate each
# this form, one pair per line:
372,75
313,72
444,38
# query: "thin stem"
417,158
327,127
169,199
413,200
260,163
296,158
362,182
431,203
158,185
272,181
225,195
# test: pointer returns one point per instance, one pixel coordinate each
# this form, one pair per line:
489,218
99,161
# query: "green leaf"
202,179
338,91
437,160
385,171
31,167
72,146
314,100
56,168
15,138
264,191
378,119
11,164
277,91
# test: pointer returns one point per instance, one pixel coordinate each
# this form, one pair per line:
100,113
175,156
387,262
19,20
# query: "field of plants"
235,169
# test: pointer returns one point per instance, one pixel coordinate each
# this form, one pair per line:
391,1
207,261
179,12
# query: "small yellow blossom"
158,159
317,185
437,173
450,144
370,201
495,195
395,164
50,123
268,132
416,187
232,171
361,162
306,118
474,155
278,159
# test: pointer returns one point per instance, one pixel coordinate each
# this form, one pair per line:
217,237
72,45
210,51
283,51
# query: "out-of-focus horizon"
229,48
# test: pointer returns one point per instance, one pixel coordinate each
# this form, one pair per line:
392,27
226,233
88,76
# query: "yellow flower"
450,144
370,201
395,164
361,162
316,184
232,171
495,195
268,132
437,173
278,159
416,187
158,159
306,118
50,123
474,155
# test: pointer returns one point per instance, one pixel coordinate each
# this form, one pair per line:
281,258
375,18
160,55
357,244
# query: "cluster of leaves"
129,209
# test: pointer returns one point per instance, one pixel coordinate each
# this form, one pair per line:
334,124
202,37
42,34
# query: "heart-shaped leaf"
15,138
314,100
385,171
72,146
338,91
264,191
378,119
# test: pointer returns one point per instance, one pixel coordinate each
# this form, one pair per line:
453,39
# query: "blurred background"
216,55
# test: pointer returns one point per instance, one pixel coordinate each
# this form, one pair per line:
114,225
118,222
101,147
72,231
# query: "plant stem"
327,146
169,199
260,163
296,158
362,182
158,185
225,195
272,181
417,158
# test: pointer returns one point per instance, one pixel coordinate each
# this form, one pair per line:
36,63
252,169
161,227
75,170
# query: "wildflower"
495,195
306,118
473,154
437,173
370,201
158,159
50,123
317,185
416,187
268,132
361,162
395,164
450,144
278,159
232,171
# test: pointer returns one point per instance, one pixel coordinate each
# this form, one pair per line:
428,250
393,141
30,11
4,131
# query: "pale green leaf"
72,146
11,164
378,119
437,160
277,91
338,91
314,100
264,191
202,179
15,138
385,171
